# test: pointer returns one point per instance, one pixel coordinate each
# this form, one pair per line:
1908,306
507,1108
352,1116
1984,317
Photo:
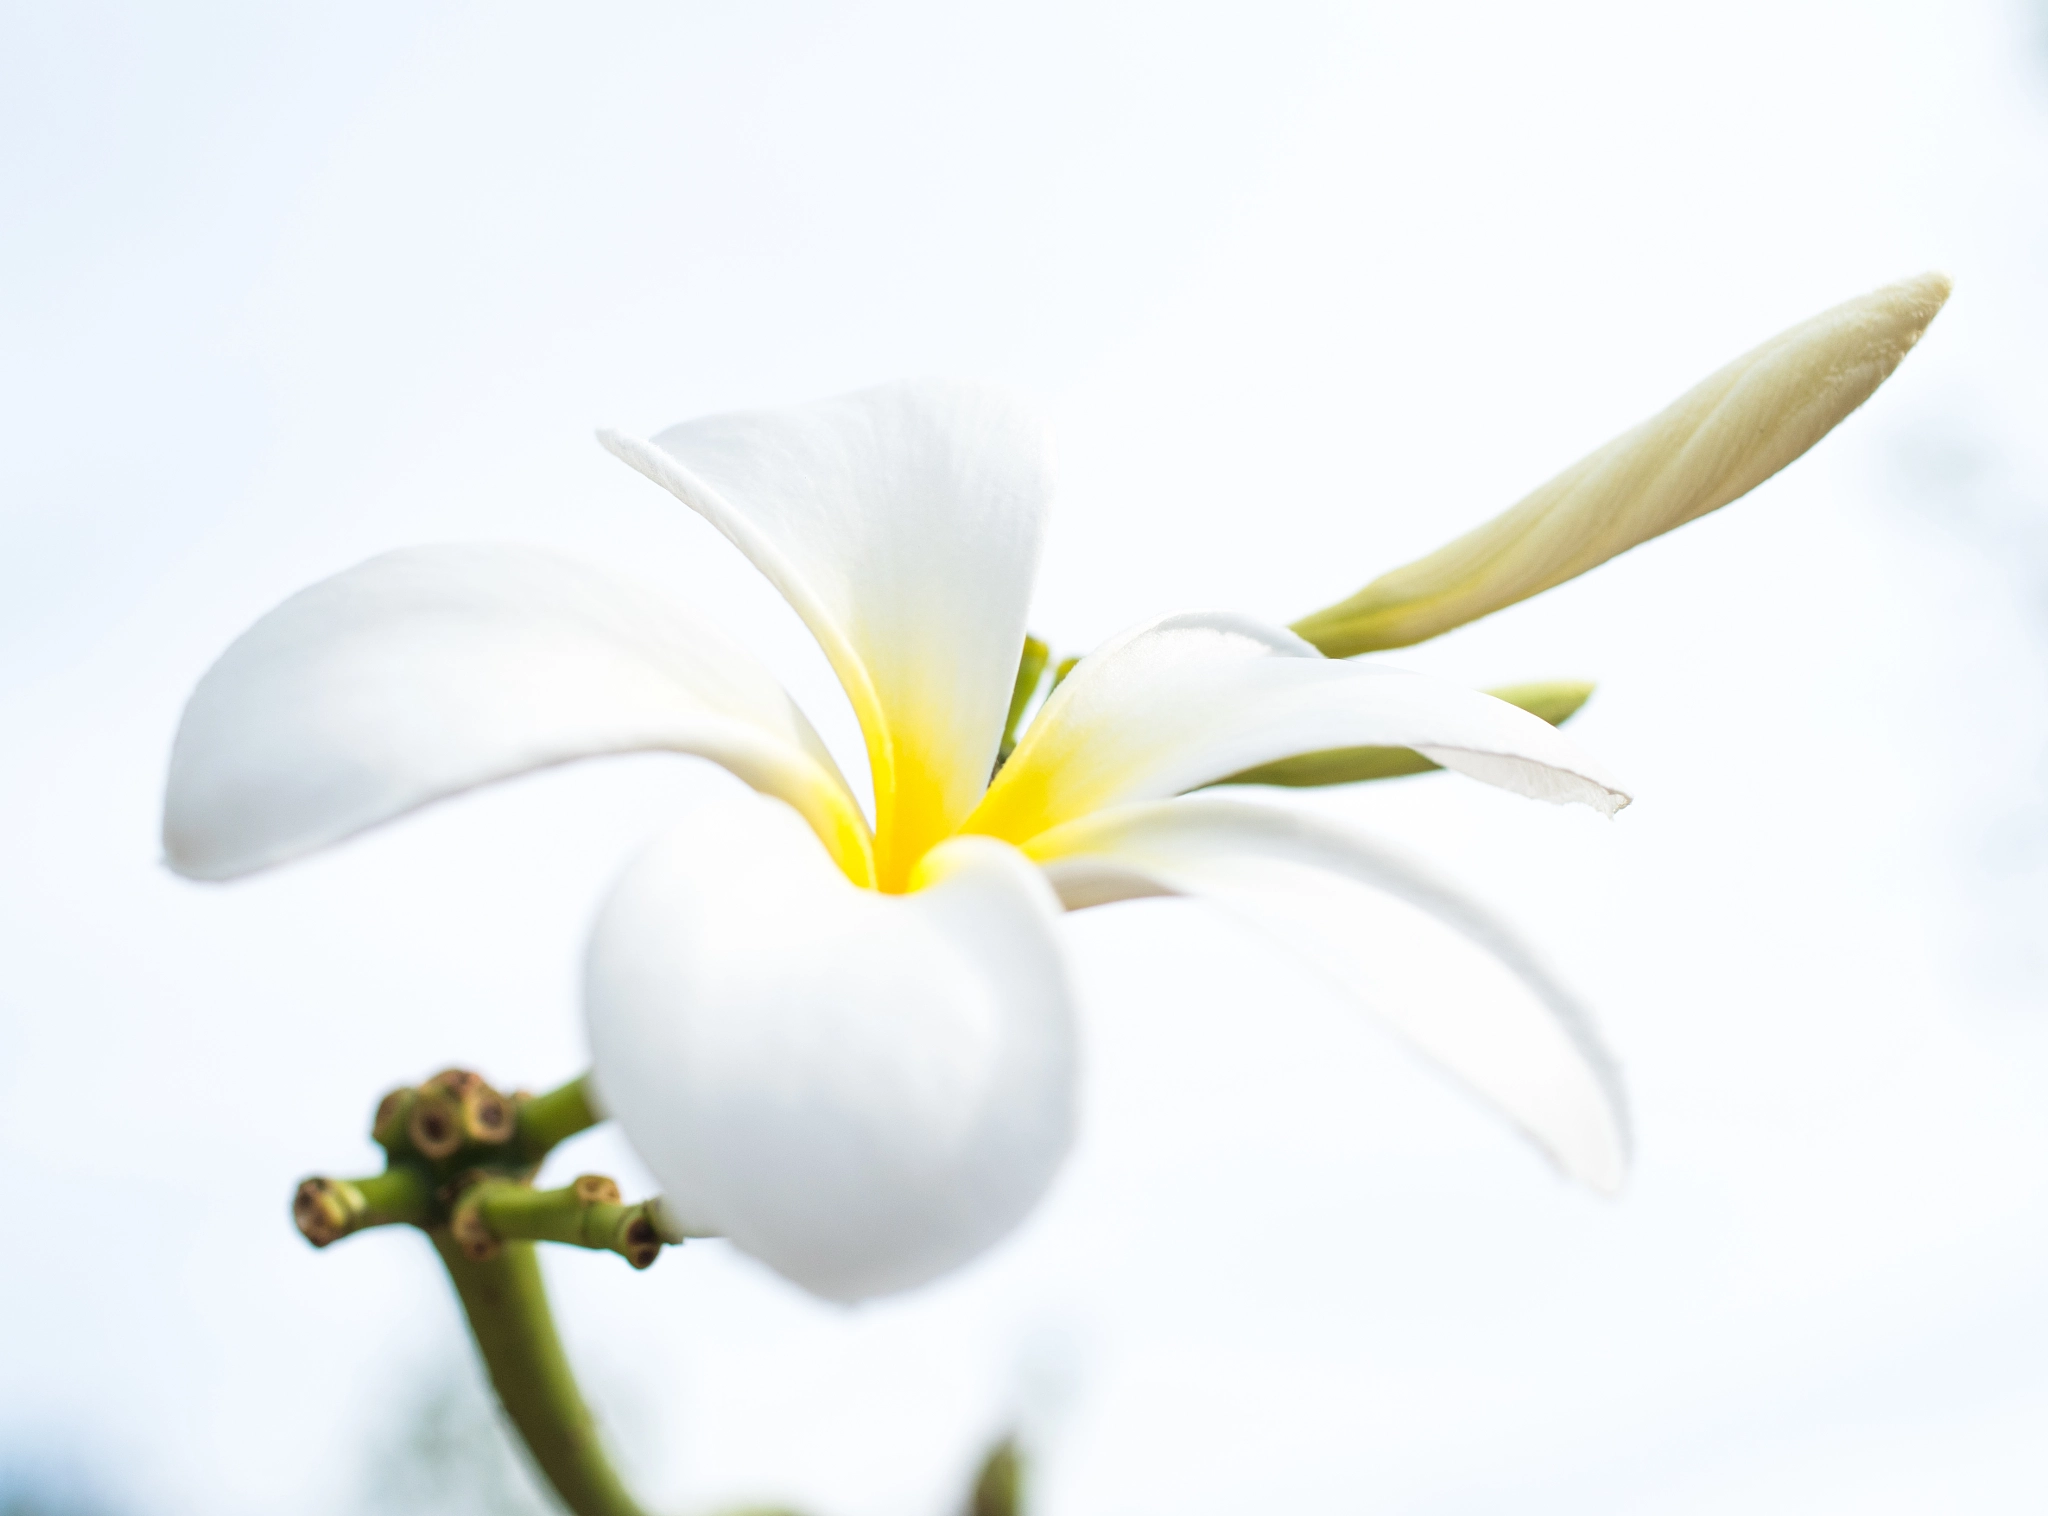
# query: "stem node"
471,1232
435,1125
460,1160
327,1210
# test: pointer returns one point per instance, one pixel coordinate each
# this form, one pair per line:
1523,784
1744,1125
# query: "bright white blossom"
847,1045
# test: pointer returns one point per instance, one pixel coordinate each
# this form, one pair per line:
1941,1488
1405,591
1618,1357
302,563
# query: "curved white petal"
1190,699
903,524
429,671
1382,927
862,1090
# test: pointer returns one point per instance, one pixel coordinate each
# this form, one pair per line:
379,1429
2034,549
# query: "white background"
1305,291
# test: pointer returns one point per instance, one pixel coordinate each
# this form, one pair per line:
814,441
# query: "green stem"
545,1120
585,1214
507,1305
1030,672
999,1487
327,1210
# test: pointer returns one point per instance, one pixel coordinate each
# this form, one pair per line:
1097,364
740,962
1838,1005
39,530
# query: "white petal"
1715,443
432,670
862,1090
903,524
1190,699
1382,927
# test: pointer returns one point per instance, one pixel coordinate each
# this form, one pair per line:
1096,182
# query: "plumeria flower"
844,1037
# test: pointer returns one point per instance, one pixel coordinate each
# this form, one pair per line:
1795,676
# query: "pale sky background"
1305,290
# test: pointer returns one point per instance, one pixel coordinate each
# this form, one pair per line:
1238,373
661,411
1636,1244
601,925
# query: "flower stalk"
461,1163
543,1122
461,1158
327,1210
589,1213
506,1301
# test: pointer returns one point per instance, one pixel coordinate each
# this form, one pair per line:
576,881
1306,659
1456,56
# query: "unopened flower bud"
1714,444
